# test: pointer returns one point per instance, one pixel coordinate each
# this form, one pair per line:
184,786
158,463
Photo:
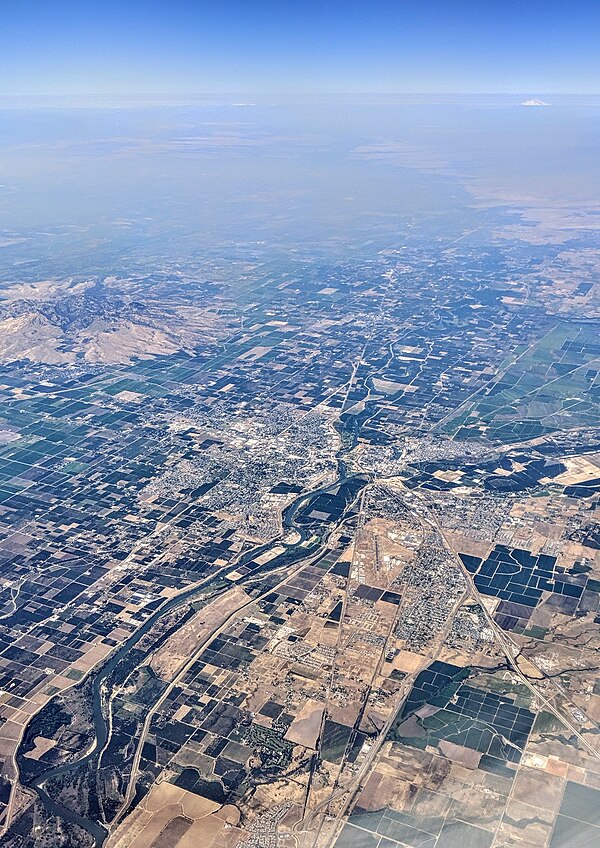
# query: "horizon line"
89,99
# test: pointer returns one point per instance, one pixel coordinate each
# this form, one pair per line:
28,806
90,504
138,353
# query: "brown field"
173,832
409,662
579,468
305,728
182,644
170,816
41,746
525,825
538,788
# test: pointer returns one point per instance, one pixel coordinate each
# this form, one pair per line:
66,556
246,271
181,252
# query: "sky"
176,47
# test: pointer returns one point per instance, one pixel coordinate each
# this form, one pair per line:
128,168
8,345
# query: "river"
100,716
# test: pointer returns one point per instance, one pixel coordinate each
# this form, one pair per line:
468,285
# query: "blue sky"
80,47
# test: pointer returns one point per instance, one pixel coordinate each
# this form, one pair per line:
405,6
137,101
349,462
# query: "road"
304,827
